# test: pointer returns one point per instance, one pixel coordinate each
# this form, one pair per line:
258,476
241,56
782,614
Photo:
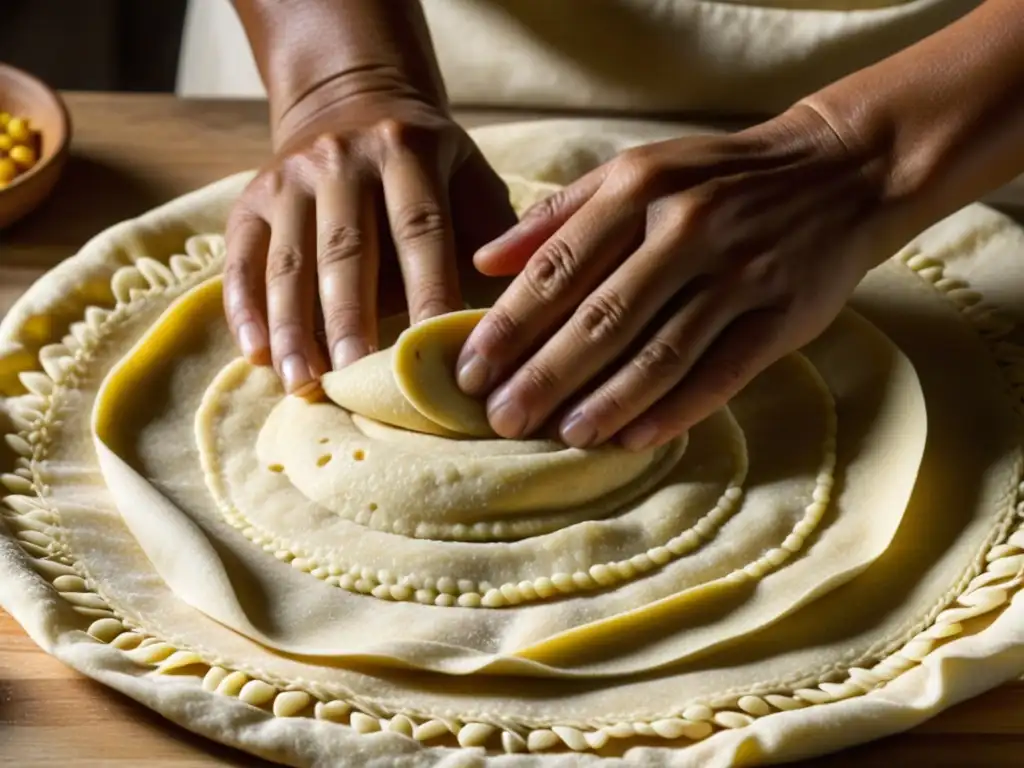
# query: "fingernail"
474,374
250,340
507,417
295,373
346,351
578,431
641,437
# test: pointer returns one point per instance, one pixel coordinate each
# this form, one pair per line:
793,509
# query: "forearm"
945,117
349,46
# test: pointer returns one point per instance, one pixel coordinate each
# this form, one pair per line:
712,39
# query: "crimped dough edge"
36,526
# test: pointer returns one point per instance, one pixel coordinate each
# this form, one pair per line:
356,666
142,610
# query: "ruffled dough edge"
448,591
35,524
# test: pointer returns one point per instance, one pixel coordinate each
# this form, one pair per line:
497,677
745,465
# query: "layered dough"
396,456
380,561
583,550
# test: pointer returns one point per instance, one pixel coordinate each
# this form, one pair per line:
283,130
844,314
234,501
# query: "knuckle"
397,134
766,274
702,204
269,184
538,380
547,207
689,215
285,263
636,174
331,148
241,216
392,132
610,403
602,317
339,243
673,221
714,192
659,359
501,333
341,317
429,297
419,222
695,209
238,271
551,270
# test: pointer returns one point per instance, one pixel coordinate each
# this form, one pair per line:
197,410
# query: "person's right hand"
356,184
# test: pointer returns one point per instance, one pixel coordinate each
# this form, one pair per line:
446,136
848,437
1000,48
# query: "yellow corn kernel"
23,156
19,130
6,142
8,170
5,118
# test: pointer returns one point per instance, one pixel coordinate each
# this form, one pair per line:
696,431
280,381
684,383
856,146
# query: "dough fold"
838,549
390,456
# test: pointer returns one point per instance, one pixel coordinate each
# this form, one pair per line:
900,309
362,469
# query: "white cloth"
639,56
977,646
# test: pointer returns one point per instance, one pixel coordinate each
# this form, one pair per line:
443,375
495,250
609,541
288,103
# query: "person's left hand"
653,289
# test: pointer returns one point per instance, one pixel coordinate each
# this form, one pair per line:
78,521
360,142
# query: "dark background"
95,45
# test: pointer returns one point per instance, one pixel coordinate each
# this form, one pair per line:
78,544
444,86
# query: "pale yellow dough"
368,462
423,366
608,546
376,579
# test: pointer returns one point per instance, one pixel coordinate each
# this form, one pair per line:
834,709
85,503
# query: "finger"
416,198
508,253
347,259
603,327
563,271
291,294
741,352
247,238
655,369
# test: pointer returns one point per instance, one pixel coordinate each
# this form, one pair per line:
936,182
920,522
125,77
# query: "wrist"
870,130
846,155
311,50
943,116
365,95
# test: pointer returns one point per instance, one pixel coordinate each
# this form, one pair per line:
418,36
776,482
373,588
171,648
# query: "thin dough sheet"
215,566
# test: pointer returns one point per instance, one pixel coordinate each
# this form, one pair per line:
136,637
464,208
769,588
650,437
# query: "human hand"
359,189
653,289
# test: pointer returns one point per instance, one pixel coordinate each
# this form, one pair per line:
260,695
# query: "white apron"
721,57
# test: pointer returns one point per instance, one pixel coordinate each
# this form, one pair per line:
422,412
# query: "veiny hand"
653,289
357,186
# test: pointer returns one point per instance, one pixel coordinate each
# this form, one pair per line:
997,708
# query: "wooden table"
130,154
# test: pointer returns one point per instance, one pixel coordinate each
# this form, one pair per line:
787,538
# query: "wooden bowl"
23,95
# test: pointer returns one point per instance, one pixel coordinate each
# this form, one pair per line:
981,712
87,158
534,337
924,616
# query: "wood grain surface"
131,153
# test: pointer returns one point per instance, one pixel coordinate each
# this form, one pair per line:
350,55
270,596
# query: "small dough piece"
412,385
367,386
424,365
